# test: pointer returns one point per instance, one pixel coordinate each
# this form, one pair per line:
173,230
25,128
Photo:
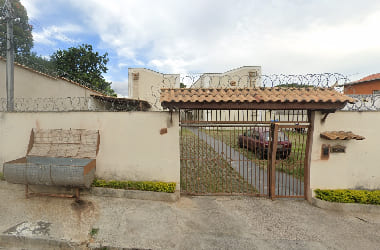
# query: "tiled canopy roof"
264,98
341,135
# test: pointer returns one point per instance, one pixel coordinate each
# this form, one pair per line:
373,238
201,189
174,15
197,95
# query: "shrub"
2,176
349,196
167,187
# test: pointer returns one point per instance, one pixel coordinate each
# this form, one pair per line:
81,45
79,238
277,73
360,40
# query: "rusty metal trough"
56,157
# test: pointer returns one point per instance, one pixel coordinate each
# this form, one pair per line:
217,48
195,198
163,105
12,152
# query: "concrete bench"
56,157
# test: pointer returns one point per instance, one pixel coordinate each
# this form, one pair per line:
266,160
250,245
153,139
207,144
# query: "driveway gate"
231,152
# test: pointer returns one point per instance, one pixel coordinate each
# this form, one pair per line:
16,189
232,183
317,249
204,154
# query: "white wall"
148,85
359,167
131,147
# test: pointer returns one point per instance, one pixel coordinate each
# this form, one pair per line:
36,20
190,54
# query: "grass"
292,165
203,170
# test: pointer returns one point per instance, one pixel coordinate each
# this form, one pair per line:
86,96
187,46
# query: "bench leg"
77,194
27,191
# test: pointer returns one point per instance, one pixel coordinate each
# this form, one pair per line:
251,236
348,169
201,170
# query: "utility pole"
8,16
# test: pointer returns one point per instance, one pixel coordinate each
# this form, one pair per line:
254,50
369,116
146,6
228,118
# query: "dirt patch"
82,207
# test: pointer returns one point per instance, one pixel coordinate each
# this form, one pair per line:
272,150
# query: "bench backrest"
67,143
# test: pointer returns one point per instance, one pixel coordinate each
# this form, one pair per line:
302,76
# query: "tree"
22,31
182,85
85,66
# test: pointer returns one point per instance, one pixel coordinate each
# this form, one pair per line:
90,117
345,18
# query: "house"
368,85
33,88
243,77
145,84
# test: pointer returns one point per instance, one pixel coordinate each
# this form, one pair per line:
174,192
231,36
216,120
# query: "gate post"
272,160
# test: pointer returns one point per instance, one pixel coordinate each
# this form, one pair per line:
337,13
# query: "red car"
258,139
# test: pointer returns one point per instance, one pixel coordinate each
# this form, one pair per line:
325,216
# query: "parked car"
258,140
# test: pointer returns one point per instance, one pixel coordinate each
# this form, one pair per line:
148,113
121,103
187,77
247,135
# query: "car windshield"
281,136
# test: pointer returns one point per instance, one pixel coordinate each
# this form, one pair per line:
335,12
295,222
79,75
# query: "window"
376,92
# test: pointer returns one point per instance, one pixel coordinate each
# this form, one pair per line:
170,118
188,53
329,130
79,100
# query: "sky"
179,36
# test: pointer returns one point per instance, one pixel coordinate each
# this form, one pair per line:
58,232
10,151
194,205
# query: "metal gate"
232,152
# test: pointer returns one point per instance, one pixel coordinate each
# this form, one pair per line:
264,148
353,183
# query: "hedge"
167,187
349,196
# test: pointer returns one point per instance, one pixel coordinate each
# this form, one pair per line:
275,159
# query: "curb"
135,194
345,207
36,243
105,192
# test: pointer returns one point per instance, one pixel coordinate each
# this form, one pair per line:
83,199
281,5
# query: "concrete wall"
145,84
131,147
359,167
30,84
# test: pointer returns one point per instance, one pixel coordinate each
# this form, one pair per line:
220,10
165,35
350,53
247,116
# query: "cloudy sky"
179,36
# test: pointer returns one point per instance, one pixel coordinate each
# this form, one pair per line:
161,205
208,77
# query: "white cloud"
31,7
289,36
121,88
54,33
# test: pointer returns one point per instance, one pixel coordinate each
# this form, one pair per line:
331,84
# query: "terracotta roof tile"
340,135
254,95
366,79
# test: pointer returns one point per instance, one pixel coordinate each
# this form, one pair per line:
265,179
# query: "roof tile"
257,95
341,135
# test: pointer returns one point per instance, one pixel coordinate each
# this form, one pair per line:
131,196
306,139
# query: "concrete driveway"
190,223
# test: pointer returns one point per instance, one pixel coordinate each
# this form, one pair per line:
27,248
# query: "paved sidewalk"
190,223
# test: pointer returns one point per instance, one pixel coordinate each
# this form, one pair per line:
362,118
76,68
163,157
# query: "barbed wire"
215,80
364,103
67,104
50,104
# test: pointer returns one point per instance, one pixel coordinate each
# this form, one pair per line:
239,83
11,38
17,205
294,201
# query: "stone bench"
56,157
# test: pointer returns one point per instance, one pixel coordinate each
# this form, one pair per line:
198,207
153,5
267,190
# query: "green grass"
204,171
293,164
94,231
349,196
167,187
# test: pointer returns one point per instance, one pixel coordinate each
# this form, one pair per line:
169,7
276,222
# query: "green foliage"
22,31
2,176
137,185
84,64
38,63
349,196
182,85
94,231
